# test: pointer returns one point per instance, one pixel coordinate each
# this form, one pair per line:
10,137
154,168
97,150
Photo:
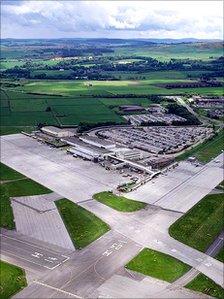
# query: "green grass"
83,226
119,203
206,151
207,286
157,264
81,88
25,187
220,255
22,186
6,130
7,173
200,226
12,280
165,52
7,217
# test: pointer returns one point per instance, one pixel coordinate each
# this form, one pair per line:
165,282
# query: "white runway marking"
56,289
38,255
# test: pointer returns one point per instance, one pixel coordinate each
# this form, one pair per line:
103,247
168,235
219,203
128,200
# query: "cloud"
202,19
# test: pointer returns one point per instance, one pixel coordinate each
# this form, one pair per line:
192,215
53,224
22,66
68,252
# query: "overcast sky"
115,19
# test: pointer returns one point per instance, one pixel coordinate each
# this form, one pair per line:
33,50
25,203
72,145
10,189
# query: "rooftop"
103,142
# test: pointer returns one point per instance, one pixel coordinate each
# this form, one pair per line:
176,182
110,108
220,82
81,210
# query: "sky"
111,19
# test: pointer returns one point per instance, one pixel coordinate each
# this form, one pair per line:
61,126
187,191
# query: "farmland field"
47,84
64,102
178,51
80,88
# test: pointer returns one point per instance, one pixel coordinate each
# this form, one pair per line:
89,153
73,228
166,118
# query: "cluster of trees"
183,112
104,68
83,127
201,83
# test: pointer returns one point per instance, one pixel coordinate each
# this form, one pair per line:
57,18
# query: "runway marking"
38,255
56,289
24,242
113,247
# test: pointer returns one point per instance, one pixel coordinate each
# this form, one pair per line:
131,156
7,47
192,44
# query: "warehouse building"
102,143
128,154
86,151
58,132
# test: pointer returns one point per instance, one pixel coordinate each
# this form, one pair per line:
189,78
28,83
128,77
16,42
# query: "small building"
192,159
58,132
102,143
160,162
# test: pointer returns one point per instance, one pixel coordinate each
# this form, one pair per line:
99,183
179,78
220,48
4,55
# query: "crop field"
21,109
65,102
165,52
81,88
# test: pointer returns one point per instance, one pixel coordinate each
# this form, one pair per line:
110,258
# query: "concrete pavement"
32,255
88,269
38,217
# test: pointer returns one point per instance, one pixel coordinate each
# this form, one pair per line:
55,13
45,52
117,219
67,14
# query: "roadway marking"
56,289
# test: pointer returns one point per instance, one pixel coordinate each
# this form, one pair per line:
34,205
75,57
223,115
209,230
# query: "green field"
18,185
206,151
119,203
6,130
83,226
220,255
12,280
157,264
207,286
29,110
199,227
80,88
165,52
7,173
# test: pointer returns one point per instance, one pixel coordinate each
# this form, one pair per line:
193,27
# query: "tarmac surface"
98,270
63,173
30,253
181,188
38,217
86,270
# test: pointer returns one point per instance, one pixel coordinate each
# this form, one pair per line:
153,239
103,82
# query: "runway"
32,256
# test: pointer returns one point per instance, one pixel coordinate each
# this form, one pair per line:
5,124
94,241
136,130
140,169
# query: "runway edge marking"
56,289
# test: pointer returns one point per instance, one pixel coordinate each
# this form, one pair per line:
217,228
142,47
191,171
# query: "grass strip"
200,226
119,203
83,226
12,280
207,286
157,264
